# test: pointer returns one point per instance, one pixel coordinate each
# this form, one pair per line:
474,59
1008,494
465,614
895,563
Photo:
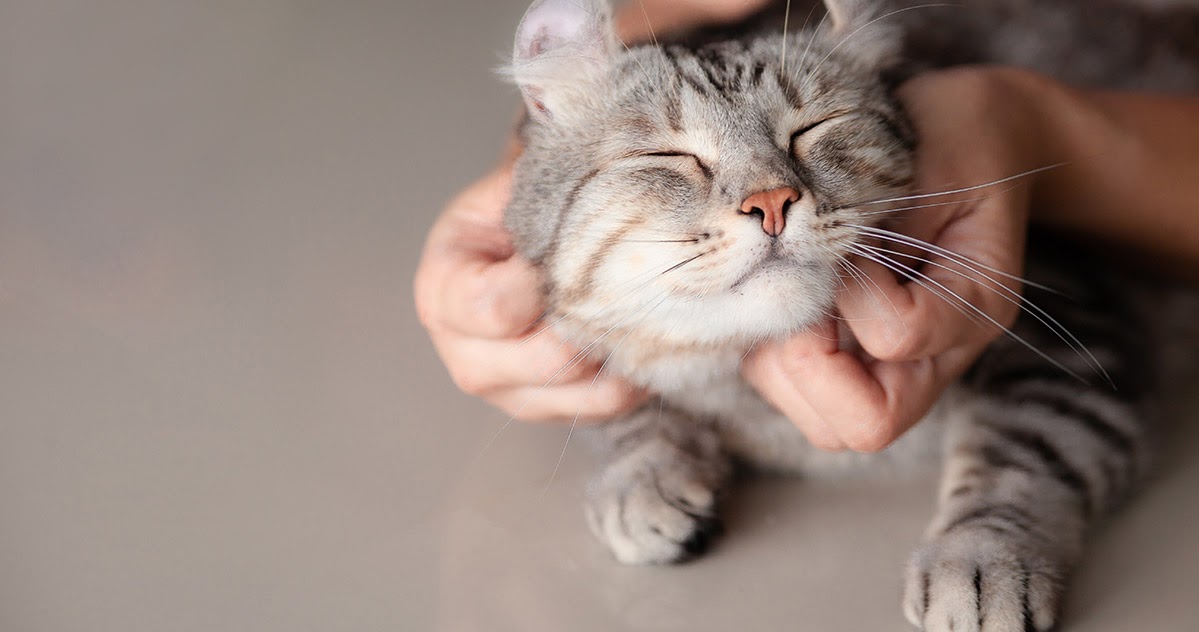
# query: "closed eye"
679,154
807,128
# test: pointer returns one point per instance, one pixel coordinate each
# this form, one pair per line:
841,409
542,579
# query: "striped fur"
627,197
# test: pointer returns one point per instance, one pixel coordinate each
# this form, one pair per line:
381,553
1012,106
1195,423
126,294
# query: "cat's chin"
779,299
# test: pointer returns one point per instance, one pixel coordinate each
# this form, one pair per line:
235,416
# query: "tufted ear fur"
561,45
863,30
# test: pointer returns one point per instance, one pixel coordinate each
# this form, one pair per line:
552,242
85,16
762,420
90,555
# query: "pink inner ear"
553,23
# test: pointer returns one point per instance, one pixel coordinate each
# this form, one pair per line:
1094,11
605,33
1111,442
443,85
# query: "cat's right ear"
561,47
860,29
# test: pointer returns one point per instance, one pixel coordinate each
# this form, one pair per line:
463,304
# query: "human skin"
1122,152
480,300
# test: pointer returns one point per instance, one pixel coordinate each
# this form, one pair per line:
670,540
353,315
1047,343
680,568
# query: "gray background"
217,410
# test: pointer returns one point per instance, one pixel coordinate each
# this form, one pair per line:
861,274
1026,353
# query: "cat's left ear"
561,46
861,29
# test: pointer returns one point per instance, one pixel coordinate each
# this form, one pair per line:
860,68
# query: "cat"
686,201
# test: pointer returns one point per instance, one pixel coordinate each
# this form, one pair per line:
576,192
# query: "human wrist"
1025,116
1064,129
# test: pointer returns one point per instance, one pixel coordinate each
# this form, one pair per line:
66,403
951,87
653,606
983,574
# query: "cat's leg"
654,501
1027,472
1037,455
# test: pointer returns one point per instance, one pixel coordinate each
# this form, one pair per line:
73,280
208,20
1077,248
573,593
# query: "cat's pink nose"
772,206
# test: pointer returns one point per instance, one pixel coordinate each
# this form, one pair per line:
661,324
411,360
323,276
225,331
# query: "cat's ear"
561,45
861,29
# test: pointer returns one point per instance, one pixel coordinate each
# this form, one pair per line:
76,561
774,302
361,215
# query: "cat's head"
704,196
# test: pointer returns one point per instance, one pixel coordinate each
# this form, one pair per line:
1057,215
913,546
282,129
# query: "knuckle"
871,437
563,369
611,399
826,444
470,381
514,411
422,300
493,316
536,413
489,309
898,345
1007,314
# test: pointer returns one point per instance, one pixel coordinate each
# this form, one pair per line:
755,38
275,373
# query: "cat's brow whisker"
652,36
783,53
644,70
928,283
1028,307
976,187
807,49
864,26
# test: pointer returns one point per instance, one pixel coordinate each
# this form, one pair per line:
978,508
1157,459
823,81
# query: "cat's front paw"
653,513
979,580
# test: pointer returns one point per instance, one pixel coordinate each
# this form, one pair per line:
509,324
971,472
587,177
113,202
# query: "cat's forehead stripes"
726,71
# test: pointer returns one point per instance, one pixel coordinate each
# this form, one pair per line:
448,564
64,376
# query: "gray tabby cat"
689,201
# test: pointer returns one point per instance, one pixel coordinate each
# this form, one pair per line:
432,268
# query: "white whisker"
652,273
924,280
976,187
860,28
783,54
581,355
807,49
937,204
1025,305
575,422
959,258
652,36
862,278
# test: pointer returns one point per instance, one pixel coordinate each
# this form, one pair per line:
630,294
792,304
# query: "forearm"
1132,168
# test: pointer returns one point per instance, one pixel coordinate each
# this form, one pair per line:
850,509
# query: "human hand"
481,302
917,337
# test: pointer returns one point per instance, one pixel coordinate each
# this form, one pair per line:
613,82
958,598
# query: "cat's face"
701,196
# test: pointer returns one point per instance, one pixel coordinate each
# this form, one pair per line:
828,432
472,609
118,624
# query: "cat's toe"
980,581
650,518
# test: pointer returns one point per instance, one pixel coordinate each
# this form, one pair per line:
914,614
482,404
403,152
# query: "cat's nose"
772,205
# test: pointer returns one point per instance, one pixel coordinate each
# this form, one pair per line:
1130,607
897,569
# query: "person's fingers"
585,400
482,367
942,303
867,405
840,401
470,280
493,300
767,373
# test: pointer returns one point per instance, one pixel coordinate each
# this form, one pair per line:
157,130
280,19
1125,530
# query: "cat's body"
636,195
